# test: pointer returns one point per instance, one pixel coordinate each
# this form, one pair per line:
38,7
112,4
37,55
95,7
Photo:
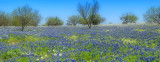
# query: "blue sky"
109,9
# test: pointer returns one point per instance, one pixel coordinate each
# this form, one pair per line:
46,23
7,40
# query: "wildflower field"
126,43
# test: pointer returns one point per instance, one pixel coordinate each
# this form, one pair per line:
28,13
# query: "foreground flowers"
70,44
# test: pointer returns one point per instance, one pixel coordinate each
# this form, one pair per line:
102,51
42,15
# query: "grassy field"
111,43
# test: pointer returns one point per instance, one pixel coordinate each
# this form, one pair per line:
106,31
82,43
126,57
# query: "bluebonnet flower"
73,60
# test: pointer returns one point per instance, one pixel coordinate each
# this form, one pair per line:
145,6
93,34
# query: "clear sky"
109,9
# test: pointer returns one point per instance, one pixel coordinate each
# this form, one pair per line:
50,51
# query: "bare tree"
152,15
88,11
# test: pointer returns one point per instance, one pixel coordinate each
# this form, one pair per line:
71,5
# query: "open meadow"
79,30
126,43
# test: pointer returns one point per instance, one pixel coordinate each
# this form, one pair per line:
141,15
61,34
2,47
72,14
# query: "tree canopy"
152,15
25,15
128,18
96,20
4,19
73,20
54,21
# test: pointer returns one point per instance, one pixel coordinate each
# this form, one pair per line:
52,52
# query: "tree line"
88,15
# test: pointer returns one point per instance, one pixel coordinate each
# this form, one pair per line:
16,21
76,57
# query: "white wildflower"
41,57
60,54
46,55
101,52
55,54
63,47
54,50
37,59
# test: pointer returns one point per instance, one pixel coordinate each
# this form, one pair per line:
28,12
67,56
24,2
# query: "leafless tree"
152,15
88,11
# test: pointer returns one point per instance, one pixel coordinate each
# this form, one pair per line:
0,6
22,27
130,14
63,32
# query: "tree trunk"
22,28
90,26
158,22
88,23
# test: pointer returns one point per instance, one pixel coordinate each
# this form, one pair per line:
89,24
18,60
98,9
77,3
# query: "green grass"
12,40
140,30
46,52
